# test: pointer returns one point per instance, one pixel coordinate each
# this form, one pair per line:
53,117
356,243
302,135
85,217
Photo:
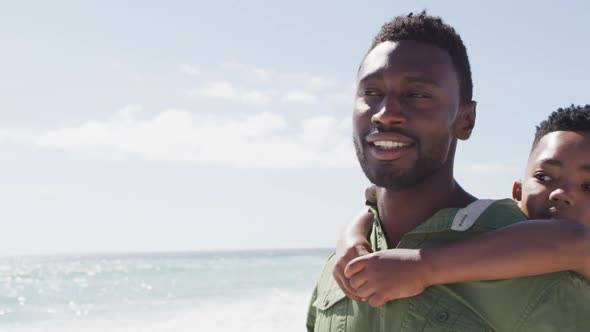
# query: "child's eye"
542,177
416,94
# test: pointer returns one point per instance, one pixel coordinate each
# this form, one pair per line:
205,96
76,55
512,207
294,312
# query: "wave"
273,310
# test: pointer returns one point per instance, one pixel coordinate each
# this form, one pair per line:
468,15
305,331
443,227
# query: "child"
554,195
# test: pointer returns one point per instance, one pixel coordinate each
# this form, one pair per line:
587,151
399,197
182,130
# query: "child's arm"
523,249
353,243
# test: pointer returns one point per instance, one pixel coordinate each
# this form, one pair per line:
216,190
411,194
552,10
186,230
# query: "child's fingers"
362,250
356,281
371,194
365,291
338,271
376,300
355,266
345,287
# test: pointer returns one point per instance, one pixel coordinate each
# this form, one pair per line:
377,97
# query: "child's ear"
465,121
517,190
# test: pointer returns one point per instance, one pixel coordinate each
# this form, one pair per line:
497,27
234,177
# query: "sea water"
196,291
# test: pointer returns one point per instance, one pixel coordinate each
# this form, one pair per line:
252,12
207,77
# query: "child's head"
556,184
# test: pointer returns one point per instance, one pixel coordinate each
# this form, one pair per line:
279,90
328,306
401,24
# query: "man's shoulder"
500,213
478,217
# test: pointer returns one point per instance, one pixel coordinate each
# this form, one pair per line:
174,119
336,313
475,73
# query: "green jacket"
551,302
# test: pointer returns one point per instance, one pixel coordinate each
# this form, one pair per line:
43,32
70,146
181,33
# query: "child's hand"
388,275
353,243
349,247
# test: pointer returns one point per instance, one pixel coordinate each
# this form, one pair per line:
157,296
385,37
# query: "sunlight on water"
220,291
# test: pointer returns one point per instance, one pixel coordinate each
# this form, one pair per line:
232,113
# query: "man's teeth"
390,144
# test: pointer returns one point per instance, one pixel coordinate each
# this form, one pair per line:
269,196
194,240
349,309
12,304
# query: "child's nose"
561,195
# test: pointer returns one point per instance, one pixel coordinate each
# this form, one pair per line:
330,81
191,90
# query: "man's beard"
386,176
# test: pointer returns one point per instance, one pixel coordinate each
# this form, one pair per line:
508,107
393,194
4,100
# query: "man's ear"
517,190
465,120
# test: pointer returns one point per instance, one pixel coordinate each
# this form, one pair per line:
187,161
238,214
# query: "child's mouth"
554,212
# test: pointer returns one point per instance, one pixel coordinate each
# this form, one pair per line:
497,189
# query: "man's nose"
390,112
561,195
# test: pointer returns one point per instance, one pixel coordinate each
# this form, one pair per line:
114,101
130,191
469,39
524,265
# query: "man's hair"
431,30
572,118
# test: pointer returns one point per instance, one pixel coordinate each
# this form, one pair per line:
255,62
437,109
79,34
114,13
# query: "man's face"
557,178
405,110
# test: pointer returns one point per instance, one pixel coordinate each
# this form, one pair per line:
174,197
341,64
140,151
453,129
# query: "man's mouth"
388,147
390,144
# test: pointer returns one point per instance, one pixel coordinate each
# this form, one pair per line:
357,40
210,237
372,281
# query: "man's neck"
401,211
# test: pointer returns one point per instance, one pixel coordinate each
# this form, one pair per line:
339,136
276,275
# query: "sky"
144,126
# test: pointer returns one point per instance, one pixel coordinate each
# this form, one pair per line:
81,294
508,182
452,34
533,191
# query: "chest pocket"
436,310
331,310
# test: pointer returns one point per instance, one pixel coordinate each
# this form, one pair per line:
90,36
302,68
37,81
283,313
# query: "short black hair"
431,30
572,118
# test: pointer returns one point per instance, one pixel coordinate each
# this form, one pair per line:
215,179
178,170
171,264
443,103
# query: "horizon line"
160,252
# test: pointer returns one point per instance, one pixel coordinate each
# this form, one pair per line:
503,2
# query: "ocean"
195,291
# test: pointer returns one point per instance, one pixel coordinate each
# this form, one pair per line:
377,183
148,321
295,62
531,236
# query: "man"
414,101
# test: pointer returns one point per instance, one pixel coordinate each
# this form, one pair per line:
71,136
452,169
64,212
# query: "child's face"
557,178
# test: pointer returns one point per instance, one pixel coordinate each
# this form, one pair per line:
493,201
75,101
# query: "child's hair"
431,30
572,118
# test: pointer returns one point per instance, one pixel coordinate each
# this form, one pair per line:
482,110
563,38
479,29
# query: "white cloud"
342,98
189,69
311,82
259,140
15,136
258,72
300,97
128,114
298,88
227,91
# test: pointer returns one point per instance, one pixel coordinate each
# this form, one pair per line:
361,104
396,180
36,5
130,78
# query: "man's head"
413,102
557,176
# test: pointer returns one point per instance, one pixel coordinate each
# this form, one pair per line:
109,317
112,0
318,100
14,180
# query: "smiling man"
413,103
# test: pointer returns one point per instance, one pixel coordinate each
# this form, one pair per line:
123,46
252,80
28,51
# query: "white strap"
466,217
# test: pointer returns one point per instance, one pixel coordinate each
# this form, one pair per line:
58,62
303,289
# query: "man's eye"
586,187
542,177
371,92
